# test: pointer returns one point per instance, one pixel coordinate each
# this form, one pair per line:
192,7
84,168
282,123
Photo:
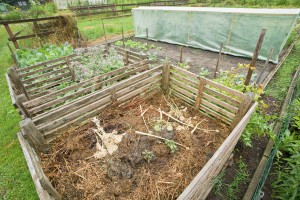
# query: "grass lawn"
92,29
15,180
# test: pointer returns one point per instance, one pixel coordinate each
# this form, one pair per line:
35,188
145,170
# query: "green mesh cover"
206,28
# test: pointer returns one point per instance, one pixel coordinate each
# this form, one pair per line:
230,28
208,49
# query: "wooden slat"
48,74
26,69
214,114
185,72
220,103
84,91
33,166
183,79
217,109
202,83
46,68
222,96
196,189
183,85
224,88
73,115
153,79
60,111
11,91
43,89
48,80
137,92
81,119
52,95
183,91
182,97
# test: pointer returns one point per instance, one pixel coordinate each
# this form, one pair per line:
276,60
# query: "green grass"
280,83
92,29
15,180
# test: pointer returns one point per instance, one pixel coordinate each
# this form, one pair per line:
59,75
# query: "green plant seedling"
203,72
148,155
172,145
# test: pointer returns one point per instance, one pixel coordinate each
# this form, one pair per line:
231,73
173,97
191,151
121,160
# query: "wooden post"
202,83
14,77
181,51
265,67
106,45
11,36
126,57
165,78
219,57
20,99
34,136
123,38
70,68
147,38
49,188
243,108
255,55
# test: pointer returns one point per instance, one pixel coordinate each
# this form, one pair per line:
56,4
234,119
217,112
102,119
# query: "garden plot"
110,157
198,61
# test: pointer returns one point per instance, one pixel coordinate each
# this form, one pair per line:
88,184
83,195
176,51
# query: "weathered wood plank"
185,72
33,165
220,103
183,85
48,80
11,91
202,83
214,114
45,183
165,78
217,109
48,74
183,91
224,88
198,190
15,79
183,79
222,96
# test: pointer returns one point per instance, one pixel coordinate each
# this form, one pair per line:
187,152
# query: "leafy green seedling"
172,145
204,72
148,155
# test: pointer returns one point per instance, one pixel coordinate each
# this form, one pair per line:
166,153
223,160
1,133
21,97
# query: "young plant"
152,57
218,182
172,145
148,155
203,72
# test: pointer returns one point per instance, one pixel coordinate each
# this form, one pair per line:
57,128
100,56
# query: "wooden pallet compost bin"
51,114
34,81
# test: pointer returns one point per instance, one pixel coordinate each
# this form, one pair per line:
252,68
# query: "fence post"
181,52
49,188
255,55
165,78
20,99
11,36
201,85
34,137
218,62
243,108
14,77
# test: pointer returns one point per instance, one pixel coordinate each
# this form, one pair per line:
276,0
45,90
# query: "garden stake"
106,47
123,37
254,58
217,66
147,37
181,49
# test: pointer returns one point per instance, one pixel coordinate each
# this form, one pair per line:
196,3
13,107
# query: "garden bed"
126,174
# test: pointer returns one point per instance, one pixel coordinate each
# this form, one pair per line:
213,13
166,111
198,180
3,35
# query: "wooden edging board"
198,190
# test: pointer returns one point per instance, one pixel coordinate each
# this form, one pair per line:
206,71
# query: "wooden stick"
265,67
255,56
189,125
123,37
142,115
202,83
156,136
166,78
219,58
181,51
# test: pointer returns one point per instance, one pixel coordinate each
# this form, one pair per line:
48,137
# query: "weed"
172,145
152,57
218,182
184,65
148,155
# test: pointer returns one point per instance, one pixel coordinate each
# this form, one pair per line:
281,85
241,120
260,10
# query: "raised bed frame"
28,83
217,101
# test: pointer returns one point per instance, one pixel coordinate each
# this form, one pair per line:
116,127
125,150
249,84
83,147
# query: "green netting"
206,28
269,163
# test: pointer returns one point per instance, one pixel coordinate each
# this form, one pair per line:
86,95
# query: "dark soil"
197,58
125,174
